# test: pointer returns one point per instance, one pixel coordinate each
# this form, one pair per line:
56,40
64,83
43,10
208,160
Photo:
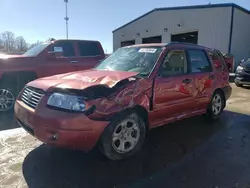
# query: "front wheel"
7,99
123,136
238,84
216,105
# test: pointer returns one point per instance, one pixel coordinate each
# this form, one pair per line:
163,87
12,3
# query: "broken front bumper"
62,129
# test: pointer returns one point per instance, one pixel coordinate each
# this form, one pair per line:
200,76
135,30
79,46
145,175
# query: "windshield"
36,49
132,59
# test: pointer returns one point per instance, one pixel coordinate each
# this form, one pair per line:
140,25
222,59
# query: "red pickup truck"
55,57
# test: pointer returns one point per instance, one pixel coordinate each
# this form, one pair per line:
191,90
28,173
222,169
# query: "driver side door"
173,89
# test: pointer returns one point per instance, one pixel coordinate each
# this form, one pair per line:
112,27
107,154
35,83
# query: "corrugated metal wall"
213,25
240,45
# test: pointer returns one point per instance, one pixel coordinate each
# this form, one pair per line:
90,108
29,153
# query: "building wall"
213,25
240,43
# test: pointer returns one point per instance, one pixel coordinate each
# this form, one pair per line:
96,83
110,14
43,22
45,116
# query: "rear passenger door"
90,53
203,76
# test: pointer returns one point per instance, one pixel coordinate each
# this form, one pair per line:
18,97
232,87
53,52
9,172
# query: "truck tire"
7,98
123,136
10,86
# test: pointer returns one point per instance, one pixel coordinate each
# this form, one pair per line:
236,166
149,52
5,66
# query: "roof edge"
221,5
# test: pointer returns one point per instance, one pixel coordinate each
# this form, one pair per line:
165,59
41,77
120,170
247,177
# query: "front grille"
31,96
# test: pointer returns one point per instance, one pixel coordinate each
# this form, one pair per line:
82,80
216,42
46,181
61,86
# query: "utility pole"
66,18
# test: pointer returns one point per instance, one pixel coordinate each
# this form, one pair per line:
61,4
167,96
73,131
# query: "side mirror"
57,52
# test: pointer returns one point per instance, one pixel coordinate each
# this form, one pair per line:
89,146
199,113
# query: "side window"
89,49
217,59
175,63
199,61
68,48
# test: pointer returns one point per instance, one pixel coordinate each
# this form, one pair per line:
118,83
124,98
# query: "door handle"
211,77
73,61
187,81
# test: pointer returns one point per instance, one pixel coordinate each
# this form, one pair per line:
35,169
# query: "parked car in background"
242,75
55,57
135,89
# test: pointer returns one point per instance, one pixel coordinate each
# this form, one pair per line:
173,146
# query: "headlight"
67,102
239,69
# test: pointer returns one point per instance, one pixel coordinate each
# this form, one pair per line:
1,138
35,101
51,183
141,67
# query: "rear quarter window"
218,60
89,49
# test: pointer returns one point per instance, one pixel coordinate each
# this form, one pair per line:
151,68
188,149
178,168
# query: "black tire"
14,83
213,113
110,148
238,84
12,93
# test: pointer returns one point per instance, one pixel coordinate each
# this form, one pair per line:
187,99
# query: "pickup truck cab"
51,58
135,89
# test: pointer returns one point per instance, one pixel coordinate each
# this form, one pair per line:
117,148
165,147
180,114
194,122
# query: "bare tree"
8,39
21,44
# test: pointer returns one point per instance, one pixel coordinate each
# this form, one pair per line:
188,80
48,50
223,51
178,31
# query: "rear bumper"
242,78
227,92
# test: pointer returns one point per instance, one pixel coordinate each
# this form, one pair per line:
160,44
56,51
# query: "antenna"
66,18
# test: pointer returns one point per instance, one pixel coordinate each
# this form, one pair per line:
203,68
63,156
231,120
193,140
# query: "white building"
222,26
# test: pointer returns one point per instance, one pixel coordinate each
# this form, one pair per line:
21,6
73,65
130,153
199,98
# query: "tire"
7,98
116,141
238,85
216,105
12,84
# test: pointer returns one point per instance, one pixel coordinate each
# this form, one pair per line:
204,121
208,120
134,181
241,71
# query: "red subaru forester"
135,89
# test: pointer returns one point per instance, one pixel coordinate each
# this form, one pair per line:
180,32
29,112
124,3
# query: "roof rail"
189,44
183,43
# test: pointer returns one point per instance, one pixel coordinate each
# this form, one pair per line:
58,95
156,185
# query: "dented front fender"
137,93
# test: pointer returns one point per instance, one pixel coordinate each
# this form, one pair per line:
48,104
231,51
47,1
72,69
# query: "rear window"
89,49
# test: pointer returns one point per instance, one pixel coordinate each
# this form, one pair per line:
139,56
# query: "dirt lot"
190,154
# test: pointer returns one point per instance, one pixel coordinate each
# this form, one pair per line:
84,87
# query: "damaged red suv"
135,89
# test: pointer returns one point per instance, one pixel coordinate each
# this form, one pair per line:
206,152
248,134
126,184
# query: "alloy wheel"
125,136
7,100
217,104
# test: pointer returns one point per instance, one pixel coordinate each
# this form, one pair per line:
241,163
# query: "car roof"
172,44
76,40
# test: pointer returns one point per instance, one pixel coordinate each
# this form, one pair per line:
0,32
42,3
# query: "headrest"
176,60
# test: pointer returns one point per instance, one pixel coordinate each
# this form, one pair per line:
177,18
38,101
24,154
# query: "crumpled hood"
82,79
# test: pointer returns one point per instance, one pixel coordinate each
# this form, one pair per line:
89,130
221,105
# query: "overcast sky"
89,19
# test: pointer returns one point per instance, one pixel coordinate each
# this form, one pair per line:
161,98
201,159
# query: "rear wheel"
216,106
123,137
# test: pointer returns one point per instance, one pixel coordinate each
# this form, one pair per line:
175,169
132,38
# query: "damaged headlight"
67,102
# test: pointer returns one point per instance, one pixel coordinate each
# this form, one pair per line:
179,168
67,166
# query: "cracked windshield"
111,94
